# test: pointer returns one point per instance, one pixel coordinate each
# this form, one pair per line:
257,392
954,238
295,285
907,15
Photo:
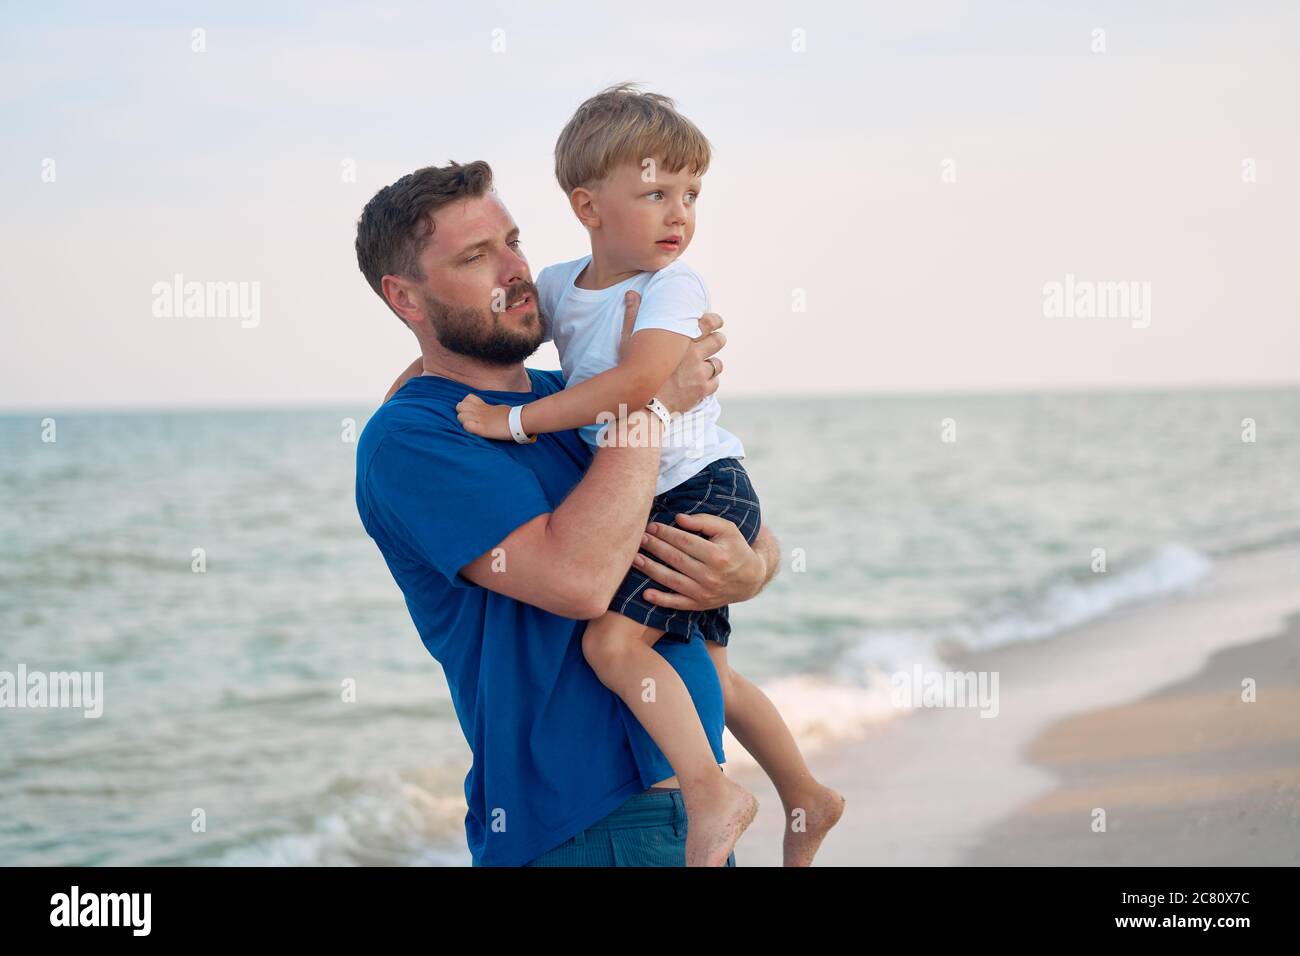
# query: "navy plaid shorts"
722,488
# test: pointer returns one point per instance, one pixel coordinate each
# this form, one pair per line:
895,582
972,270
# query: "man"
504,550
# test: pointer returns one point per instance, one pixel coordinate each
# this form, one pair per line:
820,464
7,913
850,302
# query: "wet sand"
1192,775
1139,714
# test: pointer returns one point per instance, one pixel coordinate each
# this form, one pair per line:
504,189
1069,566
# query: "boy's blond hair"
621,125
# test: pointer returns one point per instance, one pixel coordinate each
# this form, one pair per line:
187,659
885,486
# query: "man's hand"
699,373
487,421
705,572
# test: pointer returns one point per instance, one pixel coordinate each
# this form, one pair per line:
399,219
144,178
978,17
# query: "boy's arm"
412,370
646,361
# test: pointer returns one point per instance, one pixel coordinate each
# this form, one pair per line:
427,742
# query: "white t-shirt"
586,325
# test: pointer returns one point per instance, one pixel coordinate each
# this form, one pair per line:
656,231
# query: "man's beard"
479,334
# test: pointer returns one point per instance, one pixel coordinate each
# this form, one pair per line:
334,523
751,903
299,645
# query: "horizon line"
744,397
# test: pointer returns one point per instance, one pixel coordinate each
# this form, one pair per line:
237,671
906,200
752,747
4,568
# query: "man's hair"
397,223
621,125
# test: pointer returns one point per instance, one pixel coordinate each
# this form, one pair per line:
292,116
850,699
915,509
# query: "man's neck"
476,374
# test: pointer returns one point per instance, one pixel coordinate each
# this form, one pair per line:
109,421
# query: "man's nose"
514,267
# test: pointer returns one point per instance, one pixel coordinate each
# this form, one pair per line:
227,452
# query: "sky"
898,194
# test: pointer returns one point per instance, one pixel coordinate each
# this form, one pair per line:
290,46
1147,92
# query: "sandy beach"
1140,714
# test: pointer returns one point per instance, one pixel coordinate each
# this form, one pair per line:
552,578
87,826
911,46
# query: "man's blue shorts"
649,829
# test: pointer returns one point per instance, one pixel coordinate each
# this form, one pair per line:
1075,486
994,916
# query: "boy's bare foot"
821,811
715,820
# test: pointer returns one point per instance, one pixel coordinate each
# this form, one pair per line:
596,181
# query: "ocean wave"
847,704
858,695
1068,604
1276,541
411,819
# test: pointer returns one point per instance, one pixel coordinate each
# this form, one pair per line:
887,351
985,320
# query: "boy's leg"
621,653
811,808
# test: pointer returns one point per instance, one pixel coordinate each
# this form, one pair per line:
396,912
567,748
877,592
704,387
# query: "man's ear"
399,294
583,202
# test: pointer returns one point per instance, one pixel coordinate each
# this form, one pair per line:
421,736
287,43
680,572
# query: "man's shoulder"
421,404
546,381
427,404
421,401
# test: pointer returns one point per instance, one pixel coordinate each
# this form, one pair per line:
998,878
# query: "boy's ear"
583,202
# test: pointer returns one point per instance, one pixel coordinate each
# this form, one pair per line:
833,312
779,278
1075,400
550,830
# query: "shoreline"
947,787
1190,775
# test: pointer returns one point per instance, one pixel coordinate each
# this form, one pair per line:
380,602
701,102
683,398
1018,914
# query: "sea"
266,700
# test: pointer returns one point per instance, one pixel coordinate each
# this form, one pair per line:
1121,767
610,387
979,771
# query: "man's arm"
571,560
707,572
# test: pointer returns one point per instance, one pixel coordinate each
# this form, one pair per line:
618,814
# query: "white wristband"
661,410
516,423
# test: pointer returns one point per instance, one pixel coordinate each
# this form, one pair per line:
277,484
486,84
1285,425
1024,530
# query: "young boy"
631,166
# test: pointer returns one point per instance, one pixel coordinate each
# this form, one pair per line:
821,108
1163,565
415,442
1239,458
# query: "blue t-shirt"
554,749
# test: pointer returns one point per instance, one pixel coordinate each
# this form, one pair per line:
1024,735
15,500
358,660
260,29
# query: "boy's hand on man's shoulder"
487,421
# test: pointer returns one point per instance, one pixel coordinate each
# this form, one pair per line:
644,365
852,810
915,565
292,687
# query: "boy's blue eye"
472,258
655,193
